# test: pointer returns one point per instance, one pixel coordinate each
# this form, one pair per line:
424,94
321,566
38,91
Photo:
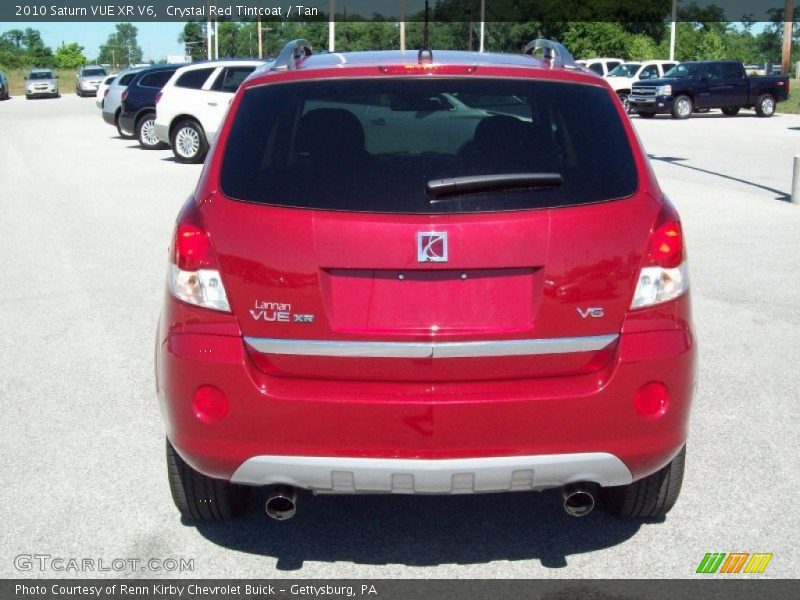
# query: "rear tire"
682,107
730,111
653,496
121,133
189,143
765,107
146,132
646,115
203,498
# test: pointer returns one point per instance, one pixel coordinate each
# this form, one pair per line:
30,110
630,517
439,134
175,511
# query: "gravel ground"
86,219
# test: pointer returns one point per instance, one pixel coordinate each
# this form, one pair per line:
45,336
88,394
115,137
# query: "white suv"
601,66
190,107
625,75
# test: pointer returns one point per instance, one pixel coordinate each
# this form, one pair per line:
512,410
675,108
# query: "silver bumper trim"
442,476
430,349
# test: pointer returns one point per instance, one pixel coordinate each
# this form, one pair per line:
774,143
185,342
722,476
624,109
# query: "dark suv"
138,116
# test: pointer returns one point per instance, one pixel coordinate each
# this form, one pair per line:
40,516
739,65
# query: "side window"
667,66
231,78
732,71
649,72
714,71
597,68
194,79
612,64
155,80
126,79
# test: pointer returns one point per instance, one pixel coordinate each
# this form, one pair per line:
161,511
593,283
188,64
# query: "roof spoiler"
291,53
554,54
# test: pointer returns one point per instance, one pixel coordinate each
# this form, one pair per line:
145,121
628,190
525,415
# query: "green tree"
193,37
122,47
69,56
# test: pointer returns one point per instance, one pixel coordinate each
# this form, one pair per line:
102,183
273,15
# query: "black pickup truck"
693,86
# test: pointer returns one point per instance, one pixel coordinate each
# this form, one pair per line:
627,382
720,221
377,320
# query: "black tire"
145,132
186,136
682,107
646,115
623,97
203,498
121,133
653,496
765,107
730,111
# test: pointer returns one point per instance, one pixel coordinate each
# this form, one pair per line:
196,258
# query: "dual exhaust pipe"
578,499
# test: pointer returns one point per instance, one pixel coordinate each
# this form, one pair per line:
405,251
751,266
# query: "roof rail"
292,51
555,54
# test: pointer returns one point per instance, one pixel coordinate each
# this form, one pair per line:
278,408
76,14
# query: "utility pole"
672,30
788,21
260,40
402,25
331,26
208,39
481,46
216,39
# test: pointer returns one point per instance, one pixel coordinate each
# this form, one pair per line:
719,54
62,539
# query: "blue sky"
157,40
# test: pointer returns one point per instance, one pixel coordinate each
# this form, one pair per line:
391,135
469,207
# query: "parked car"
112,101
41,82
190,107
625,75
101,90
601,66
88,80
138,115
703,85
4,95
356,305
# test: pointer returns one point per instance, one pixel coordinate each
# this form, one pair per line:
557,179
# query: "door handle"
212,103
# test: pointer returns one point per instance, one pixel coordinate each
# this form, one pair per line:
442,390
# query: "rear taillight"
664,275
105,93
124,95
158,96
194,271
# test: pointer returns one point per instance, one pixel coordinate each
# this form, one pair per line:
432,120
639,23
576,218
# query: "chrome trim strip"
342,475
430,350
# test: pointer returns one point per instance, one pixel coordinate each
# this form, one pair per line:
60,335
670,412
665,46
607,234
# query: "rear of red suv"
435,276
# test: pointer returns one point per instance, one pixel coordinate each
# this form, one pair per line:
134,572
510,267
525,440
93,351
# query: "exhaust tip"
281,503
578,500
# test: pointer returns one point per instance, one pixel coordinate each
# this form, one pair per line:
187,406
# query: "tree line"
25,48
706,37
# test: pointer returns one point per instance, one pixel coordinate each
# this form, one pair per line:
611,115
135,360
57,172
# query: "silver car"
113,99
41,82
88,80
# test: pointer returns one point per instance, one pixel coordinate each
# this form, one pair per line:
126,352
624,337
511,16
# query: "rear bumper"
109,117
342,475
543,432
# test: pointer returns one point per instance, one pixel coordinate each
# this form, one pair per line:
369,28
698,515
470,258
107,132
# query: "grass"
792,105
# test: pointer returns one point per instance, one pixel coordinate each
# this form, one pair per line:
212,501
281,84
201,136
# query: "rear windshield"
373,144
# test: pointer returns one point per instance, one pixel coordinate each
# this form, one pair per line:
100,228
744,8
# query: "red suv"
433,273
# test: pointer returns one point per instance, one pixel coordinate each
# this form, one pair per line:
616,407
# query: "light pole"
483,26
331,25
672,30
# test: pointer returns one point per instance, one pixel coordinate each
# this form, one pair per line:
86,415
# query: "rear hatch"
348,252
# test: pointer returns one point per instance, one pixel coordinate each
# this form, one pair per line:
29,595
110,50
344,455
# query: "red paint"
527,274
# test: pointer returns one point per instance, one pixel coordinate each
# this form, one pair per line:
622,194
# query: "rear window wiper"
439,190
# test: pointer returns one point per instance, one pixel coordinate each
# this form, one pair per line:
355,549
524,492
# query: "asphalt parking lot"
85,220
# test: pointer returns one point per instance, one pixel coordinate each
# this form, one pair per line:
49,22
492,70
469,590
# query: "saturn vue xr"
426,273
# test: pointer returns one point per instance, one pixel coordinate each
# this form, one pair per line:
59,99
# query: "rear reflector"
651,400
210,404
194,273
